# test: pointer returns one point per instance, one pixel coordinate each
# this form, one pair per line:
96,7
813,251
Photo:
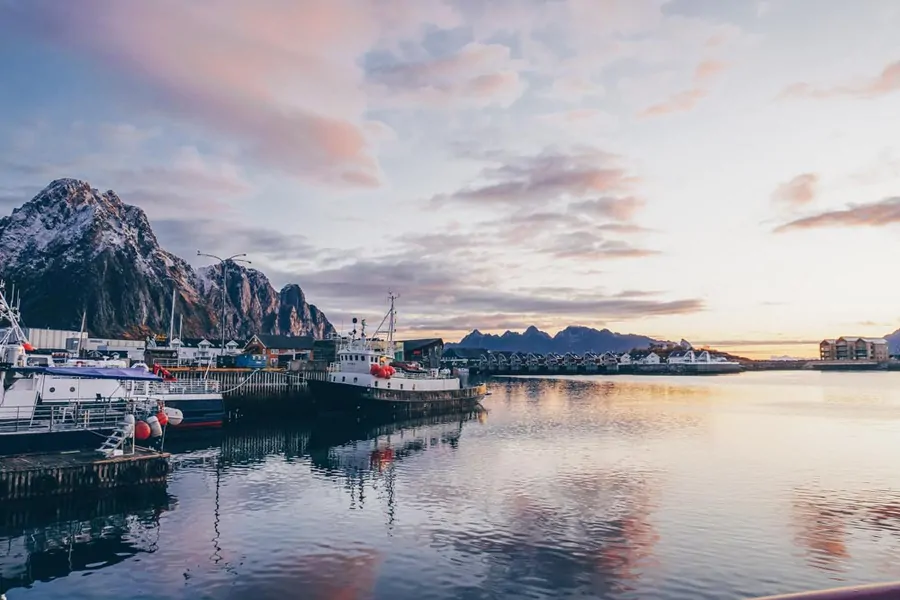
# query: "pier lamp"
233,258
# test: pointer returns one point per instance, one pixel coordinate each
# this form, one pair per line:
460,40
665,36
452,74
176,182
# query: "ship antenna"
391,318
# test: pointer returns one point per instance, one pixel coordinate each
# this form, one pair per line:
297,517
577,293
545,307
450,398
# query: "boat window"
376,384
53,389
354,380
401,386
343,379
389,385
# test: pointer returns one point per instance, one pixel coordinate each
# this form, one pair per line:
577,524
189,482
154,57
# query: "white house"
682,357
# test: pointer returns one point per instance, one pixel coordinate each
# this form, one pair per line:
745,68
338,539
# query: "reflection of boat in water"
42,541
373,446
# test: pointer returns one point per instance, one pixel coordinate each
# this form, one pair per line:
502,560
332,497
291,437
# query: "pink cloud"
680,102
704,74
799,191
875,214
886,82
478,75
545,177
708,70
280,79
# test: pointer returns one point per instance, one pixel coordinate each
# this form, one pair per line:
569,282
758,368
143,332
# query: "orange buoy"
163,418
141,430
27,347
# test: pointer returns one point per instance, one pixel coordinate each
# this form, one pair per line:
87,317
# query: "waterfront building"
428,352
280,350
854,348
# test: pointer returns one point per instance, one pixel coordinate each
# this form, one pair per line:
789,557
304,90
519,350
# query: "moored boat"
367,378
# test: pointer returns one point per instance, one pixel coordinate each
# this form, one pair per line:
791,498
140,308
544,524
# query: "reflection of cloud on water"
826,523
330,575
581,531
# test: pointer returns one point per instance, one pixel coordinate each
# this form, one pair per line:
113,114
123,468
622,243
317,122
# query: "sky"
722,171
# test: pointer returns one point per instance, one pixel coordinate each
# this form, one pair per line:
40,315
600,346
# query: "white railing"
47,418
187,386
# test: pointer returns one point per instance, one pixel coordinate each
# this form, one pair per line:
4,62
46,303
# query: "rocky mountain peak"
104,253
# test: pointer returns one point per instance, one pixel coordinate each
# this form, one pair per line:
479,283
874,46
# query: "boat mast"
10,313
391,322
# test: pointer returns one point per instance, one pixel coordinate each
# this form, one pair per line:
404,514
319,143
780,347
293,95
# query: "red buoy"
141,430
374,370
27,347
162,417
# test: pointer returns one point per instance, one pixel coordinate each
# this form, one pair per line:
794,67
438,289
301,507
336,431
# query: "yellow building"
854,348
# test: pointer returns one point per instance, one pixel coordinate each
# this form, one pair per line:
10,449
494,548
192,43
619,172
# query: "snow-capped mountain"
72,249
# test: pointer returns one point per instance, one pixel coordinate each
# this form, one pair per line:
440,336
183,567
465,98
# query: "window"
401,386
354,380
72,389
53,389
376,384
343,379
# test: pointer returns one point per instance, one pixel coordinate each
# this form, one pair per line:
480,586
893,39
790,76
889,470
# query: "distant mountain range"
571,339
73,248
894,341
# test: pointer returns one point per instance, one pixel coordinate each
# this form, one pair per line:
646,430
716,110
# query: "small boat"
367,378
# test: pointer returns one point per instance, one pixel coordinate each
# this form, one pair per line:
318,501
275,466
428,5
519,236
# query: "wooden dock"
52,474
248,383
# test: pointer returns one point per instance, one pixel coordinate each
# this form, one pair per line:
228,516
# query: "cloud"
875,214
551,175
616,208
264,245
886,82
426,286
282,80
798,192
477,75
592,245
704,74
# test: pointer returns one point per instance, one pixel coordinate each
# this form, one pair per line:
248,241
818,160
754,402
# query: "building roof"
283,342
412,345
471,353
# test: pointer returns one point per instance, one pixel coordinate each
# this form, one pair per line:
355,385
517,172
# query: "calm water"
569,488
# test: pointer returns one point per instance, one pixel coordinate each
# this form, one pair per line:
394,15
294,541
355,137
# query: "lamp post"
233,258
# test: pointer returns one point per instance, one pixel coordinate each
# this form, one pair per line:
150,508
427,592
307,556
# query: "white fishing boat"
366,377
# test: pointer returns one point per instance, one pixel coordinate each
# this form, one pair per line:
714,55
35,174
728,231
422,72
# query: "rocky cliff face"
72,249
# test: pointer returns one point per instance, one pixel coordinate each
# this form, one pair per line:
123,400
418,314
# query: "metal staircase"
115,440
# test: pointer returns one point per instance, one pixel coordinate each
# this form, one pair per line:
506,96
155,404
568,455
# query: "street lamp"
234,258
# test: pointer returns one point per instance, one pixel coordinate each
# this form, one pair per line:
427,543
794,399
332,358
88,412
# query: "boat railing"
187,386
62,417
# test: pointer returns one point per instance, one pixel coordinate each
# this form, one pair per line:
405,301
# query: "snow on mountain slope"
73,248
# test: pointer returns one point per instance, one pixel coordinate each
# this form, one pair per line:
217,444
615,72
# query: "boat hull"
330,396
57,441
200,412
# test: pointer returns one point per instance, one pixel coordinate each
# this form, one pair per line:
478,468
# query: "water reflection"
827,523
46,540
618,489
